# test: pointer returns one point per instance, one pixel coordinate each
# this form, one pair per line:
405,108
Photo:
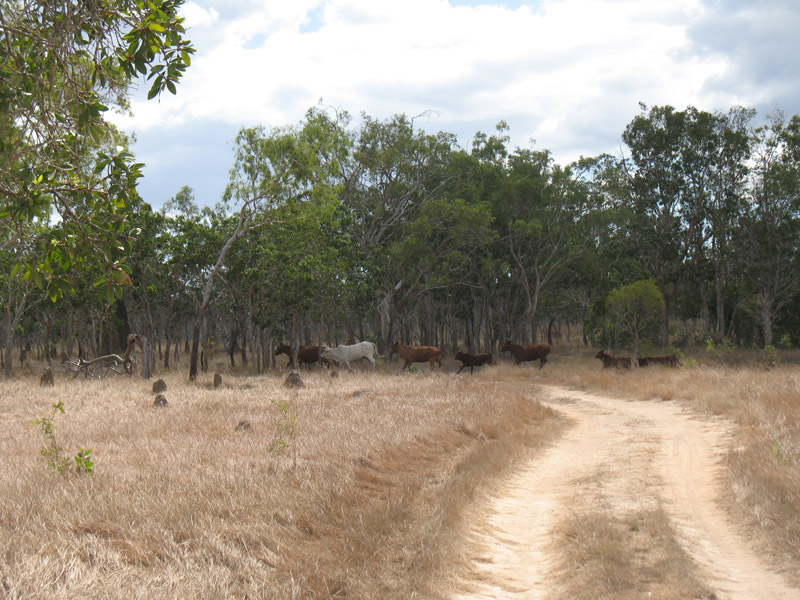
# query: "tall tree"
541,215
273,171
678,173
393,171
773,225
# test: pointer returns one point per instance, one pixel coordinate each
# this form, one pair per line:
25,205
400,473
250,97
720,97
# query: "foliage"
337,229
287,428
724,348
636,308
58,156
54,453
770,357
83,462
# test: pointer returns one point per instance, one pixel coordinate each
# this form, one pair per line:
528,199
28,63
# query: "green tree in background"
634,308
773,223
541,215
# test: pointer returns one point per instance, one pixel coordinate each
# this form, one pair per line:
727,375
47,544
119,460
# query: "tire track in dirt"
623,456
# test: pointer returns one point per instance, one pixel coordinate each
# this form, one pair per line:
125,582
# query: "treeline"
334,231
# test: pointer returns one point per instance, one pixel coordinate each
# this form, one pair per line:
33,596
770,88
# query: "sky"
565,75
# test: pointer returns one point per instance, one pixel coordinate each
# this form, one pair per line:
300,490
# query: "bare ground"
618,458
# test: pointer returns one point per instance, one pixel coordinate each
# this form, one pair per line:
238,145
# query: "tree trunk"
664,330
232,347
195,349
147,352
294,340
123,324
765,318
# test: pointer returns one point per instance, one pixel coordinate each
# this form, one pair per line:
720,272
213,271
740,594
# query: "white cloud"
567,73
197,16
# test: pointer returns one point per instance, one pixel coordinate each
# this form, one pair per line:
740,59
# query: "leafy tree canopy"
62,65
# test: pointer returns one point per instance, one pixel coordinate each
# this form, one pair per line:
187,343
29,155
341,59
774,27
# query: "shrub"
53,451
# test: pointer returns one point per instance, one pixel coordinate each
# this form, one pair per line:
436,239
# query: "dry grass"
628,556
368,501
762,473
363,503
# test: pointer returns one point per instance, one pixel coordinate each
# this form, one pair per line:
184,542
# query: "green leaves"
62,163
54,453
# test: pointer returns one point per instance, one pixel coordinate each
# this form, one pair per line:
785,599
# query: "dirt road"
619,456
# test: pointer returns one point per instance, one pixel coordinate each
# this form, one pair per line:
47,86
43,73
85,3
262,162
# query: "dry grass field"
353,486
348,487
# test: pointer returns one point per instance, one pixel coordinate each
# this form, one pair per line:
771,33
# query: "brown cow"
670,360
525,353
614,362
305,354
415,354
473,360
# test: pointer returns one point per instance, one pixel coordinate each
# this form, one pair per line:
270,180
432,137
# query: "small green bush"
53,451
287,427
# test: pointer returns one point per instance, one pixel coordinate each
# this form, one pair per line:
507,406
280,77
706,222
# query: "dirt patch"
620,460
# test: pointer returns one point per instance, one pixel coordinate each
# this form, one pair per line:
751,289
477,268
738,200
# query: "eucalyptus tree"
773,224
185,246
717,153
541,217
439,250
62,64
14,291
687,176
391,173
479,177
274,172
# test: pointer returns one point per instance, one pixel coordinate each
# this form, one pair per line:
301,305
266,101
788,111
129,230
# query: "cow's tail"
375,352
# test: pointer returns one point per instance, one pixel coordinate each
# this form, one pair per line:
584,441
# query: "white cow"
347,354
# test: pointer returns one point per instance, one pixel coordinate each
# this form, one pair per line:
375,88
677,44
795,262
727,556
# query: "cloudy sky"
566,75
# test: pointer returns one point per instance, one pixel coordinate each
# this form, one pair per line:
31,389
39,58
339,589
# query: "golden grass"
762,474
364,503
628,556
368,500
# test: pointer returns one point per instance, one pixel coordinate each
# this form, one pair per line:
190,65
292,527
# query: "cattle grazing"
670,360
305,354
346,354
473,360
415,354
614,362
527,353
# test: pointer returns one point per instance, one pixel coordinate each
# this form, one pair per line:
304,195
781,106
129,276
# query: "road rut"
624,456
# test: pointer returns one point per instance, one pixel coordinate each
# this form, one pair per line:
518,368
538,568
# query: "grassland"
348,487
353,486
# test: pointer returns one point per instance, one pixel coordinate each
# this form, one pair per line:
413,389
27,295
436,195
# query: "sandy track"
620,456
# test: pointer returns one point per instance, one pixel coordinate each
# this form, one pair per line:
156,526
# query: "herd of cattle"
625,362
346,354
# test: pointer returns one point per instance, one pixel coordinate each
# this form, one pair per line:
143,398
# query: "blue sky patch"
314,20
255,42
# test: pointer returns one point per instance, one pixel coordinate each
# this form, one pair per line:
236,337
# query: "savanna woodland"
334,230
